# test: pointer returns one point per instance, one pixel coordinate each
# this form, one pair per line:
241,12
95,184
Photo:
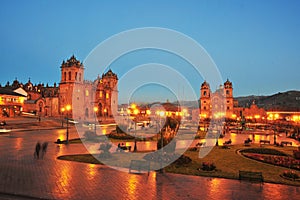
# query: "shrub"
168,144
290,174
104,148
208,166
182,160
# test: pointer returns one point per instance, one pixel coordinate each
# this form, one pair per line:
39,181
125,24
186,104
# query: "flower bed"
283,161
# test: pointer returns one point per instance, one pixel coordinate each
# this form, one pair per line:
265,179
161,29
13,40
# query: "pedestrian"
118,148
44,148
37,150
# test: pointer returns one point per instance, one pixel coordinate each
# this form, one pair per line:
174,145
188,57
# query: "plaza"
23,177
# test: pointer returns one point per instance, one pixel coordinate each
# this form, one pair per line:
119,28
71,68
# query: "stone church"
79,98
220,102
87,97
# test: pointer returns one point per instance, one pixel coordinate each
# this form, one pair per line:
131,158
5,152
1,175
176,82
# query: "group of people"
40,150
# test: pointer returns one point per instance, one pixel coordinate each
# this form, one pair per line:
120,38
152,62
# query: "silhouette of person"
44,148
37,150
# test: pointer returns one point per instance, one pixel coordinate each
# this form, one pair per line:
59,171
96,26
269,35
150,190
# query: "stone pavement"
22,177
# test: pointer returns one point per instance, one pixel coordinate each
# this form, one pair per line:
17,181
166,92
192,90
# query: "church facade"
216,104
87,97
73,93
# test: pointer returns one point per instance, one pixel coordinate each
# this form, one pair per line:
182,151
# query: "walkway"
22,177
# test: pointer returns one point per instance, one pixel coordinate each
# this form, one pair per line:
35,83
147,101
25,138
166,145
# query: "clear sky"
256,44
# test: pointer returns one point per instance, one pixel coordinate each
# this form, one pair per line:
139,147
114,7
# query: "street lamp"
95,110
68,108
62,117
161,114
105,113
135,147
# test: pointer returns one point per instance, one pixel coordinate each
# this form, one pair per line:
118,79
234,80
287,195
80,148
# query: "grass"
227,161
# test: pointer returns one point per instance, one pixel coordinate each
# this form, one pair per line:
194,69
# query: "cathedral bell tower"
205,100
228,90
72,74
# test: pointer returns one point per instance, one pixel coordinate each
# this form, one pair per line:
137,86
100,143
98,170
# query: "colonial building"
220,103
73,94
11,102
83,97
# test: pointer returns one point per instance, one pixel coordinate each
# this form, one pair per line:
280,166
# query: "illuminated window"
107,95
101,94
86,93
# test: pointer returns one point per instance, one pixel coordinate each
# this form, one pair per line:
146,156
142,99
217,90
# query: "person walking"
37,150
44,148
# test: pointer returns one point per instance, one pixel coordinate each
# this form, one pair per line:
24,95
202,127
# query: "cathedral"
220,102
79,98
87,97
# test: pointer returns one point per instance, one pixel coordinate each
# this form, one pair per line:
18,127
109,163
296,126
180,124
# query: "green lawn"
227,161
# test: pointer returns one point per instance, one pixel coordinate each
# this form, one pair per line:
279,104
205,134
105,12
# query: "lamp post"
161,114
274,135
68,108
95,110
105,113
62,116
135,147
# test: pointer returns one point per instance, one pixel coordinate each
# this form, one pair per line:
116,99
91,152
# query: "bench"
264,141
139,165
286,143
124,148
247,142
251,176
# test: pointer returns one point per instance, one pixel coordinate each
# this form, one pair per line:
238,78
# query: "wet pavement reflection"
50,178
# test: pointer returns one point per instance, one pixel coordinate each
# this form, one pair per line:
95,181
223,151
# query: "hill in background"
282,101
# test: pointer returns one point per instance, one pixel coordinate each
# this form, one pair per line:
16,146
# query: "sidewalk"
22,177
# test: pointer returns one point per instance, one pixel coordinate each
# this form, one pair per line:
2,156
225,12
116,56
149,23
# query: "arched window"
204,93
70,76
65,76
227,92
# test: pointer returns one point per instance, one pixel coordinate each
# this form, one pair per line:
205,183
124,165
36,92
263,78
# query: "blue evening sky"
256,44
